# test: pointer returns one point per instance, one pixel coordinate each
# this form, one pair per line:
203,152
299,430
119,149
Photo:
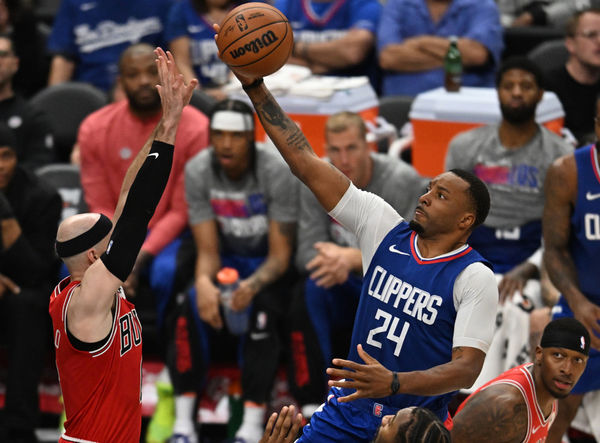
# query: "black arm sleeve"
142,199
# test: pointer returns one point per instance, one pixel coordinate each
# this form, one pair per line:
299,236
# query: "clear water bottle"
453,67
236,321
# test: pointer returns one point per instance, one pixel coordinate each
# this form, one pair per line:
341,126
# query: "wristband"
395,386
255,84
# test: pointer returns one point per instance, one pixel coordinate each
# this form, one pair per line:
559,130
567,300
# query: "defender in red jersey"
520,404
97,334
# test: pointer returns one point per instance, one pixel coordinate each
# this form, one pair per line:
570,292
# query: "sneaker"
63,416
160,427
249,433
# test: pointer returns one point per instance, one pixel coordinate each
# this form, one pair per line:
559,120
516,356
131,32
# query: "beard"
416,226
558,395
520,115
143,105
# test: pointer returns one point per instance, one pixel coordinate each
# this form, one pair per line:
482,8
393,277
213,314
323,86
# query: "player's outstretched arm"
89,313
174,96
497,413
324,180
373,380
560,190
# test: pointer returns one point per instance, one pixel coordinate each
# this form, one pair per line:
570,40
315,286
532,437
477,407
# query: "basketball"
256,39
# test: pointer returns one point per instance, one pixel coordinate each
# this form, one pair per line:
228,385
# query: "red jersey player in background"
97,334
520,404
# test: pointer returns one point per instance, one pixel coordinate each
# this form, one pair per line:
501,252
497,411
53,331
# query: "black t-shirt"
578,100
31,261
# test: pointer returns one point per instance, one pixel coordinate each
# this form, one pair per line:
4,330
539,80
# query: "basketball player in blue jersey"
427,307
412,424
571,230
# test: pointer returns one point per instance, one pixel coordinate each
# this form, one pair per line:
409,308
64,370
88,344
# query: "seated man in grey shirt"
242,211
328,256
512,158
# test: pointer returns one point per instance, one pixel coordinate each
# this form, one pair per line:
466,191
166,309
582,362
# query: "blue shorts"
343,422
589,380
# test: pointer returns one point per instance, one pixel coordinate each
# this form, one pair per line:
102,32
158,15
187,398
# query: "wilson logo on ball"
259,43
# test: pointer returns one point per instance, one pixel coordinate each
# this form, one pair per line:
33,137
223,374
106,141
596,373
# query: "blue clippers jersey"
406,314
185,21
585,233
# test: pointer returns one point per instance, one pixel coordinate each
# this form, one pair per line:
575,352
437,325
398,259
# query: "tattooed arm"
281,241
496,414
561,190
324,180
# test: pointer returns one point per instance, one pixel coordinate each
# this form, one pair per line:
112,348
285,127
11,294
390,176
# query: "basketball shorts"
336,422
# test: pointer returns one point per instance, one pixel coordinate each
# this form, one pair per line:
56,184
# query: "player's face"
139,77
8,164
584,46
9,63
519,94
232,149
349,152
444,208
560,369
388,429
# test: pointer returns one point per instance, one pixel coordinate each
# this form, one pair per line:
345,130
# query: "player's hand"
243,295
8,286
207,300
330,266
515,280
244,79
589,314
371,380
174,93
282,428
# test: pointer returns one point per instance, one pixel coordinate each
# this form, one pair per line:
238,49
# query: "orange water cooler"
437,116
311,113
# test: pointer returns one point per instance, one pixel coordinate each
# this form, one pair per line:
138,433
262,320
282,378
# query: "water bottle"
453,66
236,321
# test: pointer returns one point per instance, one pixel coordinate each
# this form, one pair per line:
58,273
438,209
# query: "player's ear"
538,355
91,255
467,221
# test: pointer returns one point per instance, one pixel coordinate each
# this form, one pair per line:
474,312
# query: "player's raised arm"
324,180
144,183
167,126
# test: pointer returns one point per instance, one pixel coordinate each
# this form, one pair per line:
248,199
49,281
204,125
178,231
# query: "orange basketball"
255,38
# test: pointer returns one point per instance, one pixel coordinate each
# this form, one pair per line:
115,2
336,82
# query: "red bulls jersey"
521,378
102,387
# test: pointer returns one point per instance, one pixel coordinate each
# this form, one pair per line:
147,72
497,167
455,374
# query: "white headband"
231,121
